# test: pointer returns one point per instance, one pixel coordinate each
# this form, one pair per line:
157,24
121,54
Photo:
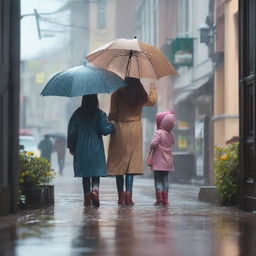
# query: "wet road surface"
186,228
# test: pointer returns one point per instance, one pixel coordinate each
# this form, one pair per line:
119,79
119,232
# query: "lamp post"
207,33
37,23
204,33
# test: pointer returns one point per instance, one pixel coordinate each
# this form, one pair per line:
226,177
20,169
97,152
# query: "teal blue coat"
85,140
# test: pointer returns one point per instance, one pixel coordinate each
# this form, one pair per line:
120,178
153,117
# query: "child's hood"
159,117
168,122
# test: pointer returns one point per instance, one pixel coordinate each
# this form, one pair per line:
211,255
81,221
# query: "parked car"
28,143
26,132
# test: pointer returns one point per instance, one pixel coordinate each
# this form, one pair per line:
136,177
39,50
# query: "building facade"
224,57
173,26
9,104
226,118
109,20
193,93
71,28
247,103
147,20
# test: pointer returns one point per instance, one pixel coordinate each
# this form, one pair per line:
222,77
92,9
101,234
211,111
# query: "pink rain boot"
159,198
165,197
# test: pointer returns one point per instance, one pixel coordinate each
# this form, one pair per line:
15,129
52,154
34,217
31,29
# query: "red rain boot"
95,198
87,200
159,198
121,198
165,197
129,198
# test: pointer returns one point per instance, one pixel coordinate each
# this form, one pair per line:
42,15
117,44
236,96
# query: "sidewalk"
187,227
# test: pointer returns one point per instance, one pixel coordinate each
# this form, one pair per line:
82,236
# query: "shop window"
184,17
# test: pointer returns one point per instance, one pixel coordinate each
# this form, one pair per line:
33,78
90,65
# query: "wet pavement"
186,228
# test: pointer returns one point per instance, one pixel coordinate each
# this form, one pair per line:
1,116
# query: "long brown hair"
131,95
89,105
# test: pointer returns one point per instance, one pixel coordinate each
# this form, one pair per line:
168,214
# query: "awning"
189,89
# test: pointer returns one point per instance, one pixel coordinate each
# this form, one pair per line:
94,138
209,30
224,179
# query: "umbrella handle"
128,64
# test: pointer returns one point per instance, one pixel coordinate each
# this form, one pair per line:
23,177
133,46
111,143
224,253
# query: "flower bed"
35,179
227,172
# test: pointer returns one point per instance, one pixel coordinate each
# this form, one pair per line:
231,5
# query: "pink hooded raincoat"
162,158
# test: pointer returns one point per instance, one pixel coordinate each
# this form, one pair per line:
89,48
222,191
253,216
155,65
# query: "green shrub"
34,171
227,172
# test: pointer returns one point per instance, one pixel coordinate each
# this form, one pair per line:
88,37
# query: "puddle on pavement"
186,227
130,231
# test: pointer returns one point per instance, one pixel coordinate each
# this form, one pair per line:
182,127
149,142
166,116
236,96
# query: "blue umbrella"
82,80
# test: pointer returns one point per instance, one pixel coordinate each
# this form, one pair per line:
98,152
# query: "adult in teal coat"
85,129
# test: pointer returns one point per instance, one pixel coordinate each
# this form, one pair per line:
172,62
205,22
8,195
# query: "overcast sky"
31,46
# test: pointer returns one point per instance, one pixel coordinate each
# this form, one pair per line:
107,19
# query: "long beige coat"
125,147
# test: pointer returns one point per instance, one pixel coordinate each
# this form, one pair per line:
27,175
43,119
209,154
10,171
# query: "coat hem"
85,176
161,170
124,173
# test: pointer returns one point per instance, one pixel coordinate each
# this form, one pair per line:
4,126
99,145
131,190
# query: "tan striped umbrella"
132,58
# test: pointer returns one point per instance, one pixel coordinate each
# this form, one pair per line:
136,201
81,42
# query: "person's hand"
71,152
153,93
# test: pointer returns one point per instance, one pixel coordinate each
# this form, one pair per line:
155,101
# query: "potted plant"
35,179
227,172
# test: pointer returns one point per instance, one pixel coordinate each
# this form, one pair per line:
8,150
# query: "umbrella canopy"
132,58
82,80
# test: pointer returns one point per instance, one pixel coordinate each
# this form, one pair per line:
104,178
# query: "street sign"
182,51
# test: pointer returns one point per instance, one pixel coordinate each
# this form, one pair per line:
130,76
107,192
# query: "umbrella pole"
128,64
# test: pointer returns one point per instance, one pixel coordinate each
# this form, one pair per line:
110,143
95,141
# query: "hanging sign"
182,50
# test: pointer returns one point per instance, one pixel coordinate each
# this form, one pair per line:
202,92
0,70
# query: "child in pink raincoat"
160,158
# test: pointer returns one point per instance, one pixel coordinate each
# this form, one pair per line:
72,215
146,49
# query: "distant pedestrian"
85,129
160,158
46,147
125,148
60,148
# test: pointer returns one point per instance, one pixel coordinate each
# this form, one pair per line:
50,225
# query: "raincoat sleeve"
152,96
104,126
155,141
72,133
173,138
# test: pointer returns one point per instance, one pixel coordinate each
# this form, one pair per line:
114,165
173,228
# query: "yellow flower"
23,174
30,153
224,157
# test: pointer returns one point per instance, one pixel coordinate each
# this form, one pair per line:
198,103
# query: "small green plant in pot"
35,179
227,172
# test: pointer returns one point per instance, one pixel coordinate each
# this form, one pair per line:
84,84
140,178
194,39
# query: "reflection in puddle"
186,227
88,238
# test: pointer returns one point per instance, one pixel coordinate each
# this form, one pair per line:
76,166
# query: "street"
186,227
